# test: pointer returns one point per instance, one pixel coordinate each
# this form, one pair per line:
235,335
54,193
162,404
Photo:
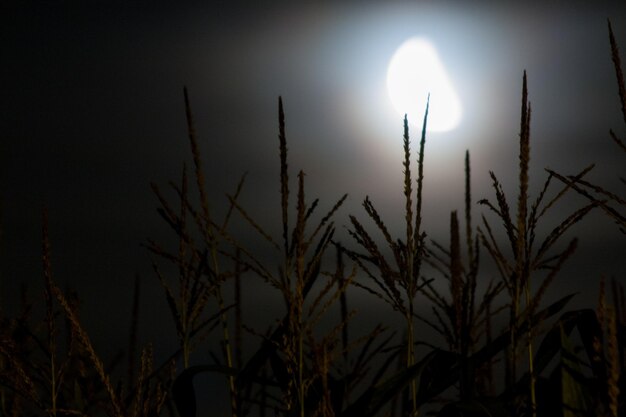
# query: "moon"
414,71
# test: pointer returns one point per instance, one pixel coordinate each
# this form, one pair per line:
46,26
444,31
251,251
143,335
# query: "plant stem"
410,358
531,367
227,351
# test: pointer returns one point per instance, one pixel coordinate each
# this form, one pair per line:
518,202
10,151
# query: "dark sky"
91,111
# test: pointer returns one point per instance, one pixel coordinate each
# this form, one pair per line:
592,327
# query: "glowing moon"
414,71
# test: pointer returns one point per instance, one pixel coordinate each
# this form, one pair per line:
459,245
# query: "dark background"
91,111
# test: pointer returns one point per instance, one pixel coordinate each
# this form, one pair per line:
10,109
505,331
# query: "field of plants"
507,349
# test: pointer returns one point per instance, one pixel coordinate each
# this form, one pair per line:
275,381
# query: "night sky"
91,112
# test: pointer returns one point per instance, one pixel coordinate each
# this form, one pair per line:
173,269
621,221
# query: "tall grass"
304,366
397,280
528,257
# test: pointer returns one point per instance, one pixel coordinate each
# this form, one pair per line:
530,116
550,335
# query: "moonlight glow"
414,71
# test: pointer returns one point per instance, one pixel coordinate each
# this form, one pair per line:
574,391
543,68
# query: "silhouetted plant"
462,320
529,258
49,365
397,280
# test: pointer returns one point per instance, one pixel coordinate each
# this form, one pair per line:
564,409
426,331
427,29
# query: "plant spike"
420,176
617,63
468,208
284,175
